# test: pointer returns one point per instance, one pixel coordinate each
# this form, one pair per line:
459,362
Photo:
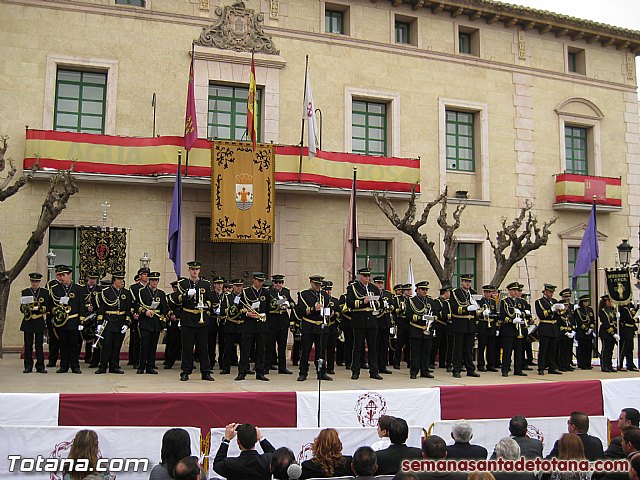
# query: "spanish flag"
252,107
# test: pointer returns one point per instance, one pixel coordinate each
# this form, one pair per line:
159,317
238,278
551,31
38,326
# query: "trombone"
99,329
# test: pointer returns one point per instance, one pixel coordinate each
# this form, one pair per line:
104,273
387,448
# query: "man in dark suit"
630,446
629,417
462,449
434,448
364,464
578,423
250,465
390,459
530,448
187,469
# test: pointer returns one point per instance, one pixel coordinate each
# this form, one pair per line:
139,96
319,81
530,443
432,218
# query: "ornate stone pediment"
238,29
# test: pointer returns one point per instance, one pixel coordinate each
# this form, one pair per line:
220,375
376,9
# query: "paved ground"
13,380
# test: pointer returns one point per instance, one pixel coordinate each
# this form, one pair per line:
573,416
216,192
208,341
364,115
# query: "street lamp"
624,252
145,260
51,263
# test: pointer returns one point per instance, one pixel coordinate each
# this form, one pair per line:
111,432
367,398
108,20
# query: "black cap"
154,275
489,288
237,281
379,278
513,286
317,279
194,264
259,275
92,275
277,277
565,293
407,286
397,286
115,275
144,270
605,297
63,269
466,276
327,285
551,288
585,297
424,284
364,271
35,276
444,288
174,283
218,279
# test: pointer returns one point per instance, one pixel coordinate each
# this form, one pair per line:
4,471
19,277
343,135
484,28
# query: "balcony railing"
576,192
148,158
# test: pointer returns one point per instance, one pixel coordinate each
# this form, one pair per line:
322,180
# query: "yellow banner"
242,192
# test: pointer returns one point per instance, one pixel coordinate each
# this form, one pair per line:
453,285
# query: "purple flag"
588,249
175,222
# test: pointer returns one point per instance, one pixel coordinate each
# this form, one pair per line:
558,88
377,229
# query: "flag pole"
354,225
595,224
306,67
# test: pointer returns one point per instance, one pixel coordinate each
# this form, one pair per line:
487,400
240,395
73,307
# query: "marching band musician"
344,350
33,305
312,316
463,323
440,345
194,296
398,308
96,348
89,291
547,311
216,325
608,333
152,310
585,321
365,326
402,327
54,342
567,333
331,339
114,317
528,317
234,318
512,331
487,319
420,313
278,320
173,348
628,329
255,300
141,280
67,310
384,315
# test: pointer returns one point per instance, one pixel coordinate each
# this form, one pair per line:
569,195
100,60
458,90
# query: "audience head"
384,424
364,462
327,450
247,436
578,422
399,431
629,417
631,440
433,447
570,447
176,445
280,461
508,449
518,426
84,446
634,468
187,469
462,431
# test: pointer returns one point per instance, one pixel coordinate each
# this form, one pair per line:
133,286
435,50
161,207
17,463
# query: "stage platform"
13,380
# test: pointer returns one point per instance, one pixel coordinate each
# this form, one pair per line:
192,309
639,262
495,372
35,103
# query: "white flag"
309,114
410,278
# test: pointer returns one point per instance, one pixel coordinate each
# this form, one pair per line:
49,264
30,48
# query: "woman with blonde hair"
570,447
85,447
327,460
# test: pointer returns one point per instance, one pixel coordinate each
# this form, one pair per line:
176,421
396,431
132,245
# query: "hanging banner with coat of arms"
102,250
242,192
619,285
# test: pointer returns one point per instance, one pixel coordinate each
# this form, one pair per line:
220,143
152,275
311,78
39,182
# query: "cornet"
262,317
373,303
202,307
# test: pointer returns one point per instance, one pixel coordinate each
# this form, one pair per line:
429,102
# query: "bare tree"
410,226
62,186
519,242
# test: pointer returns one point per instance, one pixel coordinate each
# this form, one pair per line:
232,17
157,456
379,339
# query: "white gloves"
497,333
616,337
618,315
527,312
517,321
517,311
99,328
557,307
124,329
576,306
472,308
191,292
217,311
570,334
590,332
486,312
80,328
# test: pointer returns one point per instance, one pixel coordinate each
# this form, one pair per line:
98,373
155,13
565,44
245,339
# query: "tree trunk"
5,288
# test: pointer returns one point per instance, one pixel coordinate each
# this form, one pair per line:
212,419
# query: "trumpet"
262,317
202,307
373,303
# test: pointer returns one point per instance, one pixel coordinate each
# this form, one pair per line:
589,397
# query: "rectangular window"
576,153
80,101
227,115
576,60
583,285
403,33
334,21
369,128
133,3
374,254
464,42
64,243
460,141
572,62
465,263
